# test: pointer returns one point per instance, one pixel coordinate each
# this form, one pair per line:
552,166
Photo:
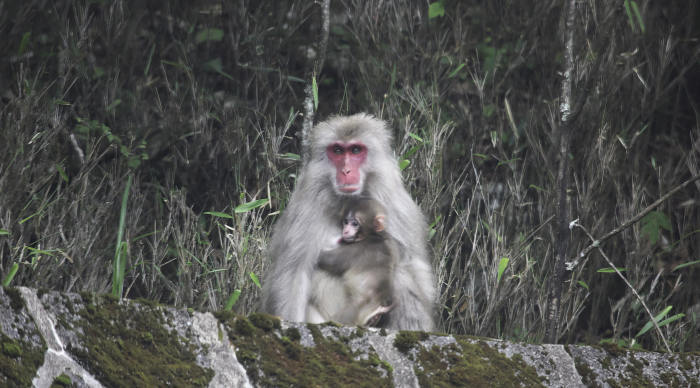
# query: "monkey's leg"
313,315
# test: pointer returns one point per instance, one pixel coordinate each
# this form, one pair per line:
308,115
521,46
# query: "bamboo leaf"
255,280
209,34
657,318
219,214
688,264
436,9
501,268
652,224
10,275
611,270
232,300
314,87
246,207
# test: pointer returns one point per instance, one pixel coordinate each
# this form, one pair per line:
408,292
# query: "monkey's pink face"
351,227
348,158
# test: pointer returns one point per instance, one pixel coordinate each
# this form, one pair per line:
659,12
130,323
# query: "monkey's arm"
335,261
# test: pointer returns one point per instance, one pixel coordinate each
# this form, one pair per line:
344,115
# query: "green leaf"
418,138
232,300
638,15
216,66
688,264
290,156
255,280
436,9
246,207
150,58
537,188
652,223
488,110
505,162
4,232
10,275
207,34
455,71
431,228
671,319
501,268
24,42
219,214
657,318
403,164
62,173
98,72
295,79
611,270
412,151
113,105
314,87
628,11
583,284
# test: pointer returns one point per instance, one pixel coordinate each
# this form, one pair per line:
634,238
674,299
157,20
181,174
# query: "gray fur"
309,223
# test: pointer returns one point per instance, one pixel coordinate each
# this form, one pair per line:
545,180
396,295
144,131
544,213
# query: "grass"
200,103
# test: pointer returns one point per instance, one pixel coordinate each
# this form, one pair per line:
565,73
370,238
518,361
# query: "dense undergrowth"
198,102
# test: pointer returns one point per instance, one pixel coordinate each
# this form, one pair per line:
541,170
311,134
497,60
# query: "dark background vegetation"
199,102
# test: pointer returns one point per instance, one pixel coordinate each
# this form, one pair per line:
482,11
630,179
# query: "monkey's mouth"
349,188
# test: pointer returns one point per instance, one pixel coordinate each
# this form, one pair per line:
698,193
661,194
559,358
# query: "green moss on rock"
264,321
275,357
11,349
16,301
474,365
19,361
587,375
293,334
243,326
128,344
61,381
405,340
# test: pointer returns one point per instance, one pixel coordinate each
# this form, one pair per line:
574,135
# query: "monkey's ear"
379,223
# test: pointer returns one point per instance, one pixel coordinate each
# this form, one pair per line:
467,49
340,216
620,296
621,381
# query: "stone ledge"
94,341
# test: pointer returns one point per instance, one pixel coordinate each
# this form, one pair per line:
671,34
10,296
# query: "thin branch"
641,300
76,147
315,71
562,236
636,218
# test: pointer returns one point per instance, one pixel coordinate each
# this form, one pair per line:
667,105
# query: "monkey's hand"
379,313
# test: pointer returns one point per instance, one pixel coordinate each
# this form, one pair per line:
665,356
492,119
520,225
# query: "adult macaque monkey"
348,156
363,263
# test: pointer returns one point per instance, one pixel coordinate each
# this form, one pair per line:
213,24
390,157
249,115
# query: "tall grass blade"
10,275
120,250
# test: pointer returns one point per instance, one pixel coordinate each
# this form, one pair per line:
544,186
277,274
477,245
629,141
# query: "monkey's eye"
356,149
355,223
337,149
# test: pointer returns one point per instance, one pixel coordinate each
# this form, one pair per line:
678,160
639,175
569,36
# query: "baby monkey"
363,263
